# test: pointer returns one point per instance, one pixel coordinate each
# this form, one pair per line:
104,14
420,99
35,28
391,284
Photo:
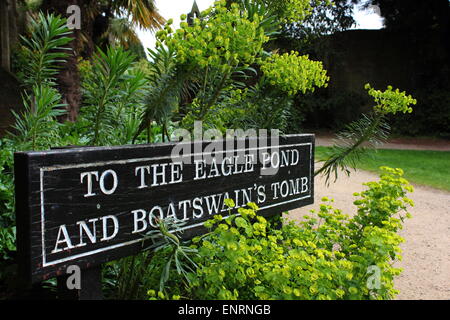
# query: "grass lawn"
431,168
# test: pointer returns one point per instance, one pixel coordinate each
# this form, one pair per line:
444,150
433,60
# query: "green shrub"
326,256
7,216
36,127
112,97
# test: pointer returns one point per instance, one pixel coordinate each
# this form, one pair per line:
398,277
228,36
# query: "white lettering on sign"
62,231
105,220
107,173
103,176
157,174
226,167
84,229
89,229
142,211
289,187
280,159
89,182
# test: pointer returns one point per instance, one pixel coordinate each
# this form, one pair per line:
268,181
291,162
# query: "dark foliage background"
412,51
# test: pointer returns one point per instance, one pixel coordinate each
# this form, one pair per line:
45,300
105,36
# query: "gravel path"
426,251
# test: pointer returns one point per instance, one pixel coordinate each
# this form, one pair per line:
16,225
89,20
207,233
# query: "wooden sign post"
87,206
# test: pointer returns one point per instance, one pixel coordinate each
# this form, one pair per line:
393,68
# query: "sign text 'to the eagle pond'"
87,206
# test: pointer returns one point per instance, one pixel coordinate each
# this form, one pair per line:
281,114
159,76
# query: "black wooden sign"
87,206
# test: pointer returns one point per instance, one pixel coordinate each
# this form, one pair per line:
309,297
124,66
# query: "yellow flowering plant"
294,73
390,100
327,256
224,50
223,38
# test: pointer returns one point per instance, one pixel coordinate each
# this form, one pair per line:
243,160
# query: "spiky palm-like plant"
143,13
370,130
96,17
163,96
37,127
44,50
109,93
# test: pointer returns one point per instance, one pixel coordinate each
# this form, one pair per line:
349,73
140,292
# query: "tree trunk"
68,78
13,24
4,35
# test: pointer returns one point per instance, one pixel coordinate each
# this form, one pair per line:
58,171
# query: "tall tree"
8,31
96,17
68,78
9,85
4,35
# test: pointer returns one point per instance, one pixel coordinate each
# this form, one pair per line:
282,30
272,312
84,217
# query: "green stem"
100,110
215,96
149,132
206,78
130,275
163,129
360,141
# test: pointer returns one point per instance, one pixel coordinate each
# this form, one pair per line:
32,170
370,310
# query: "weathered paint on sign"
87,206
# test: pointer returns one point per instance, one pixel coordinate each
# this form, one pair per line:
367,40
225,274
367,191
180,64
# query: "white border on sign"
123,244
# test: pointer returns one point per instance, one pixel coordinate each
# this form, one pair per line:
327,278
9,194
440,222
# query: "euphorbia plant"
223,52
372,129
220,71
327,256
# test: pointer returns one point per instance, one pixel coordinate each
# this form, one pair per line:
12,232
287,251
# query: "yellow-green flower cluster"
292,11
391,101
337,257
296,10
222,38
293,73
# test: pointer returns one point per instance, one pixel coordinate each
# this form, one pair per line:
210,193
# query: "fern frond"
105,89
37,126
352,143
161,100
167,86
45,49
